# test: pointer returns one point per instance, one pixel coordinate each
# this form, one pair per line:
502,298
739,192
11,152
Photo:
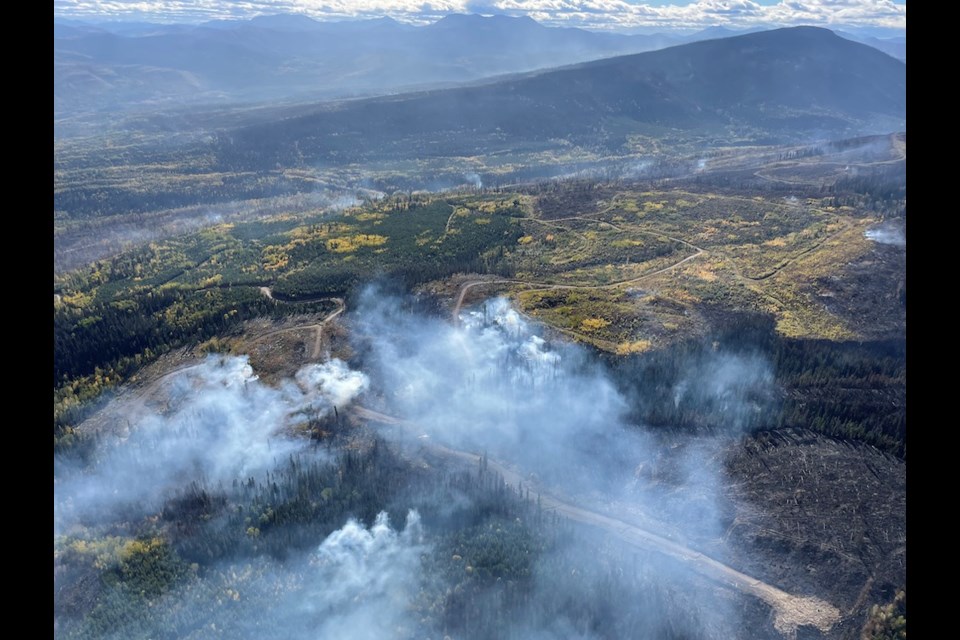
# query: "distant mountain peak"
473,19
383,20
285,21
805,30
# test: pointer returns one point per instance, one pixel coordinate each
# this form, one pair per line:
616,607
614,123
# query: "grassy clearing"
618,320
758,254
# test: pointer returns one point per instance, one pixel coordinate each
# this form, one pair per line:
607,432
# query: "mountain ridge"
285,56
793,83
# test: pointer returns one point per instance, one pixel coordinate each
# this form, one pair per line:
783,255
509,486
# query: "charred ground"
661,250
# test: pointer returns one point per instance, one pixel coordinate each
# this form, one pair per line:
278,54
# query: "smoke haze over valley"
491,386
480,320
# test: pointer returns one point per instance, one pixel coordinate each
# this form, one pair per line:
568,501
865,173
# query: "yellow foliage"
104,552
593,324
705,274
525,240
636,346
274,257
111,550
349,244
123,305
140,547
78,299
683,296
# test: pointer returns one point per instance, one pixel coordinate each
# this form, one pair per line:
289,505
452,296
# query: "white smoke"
887,234
331,382
473,179
497,384
493,383
359,584
220,423
361,581
734,386
637,169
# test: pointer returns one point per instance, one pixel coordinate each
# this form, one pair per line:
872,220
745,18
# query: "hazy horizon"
879,18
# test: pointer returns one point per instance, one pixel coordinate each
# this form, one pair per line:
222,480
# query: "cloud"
615,15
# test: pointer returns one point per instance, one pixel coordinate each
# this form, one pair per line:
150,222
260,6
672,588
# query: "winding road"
150,388
544,286
790,611
318,326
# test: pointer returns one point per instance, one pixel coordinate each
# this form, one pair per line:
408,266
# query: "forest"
121,313
217,556
356,339
768,279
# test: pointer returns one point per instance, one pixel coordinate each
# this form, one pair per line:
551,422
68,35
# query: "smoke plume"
494,383
497,384
888,233
219,422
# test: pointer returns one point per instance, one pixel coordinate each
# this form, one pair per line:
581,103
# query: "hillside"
784,84
285,56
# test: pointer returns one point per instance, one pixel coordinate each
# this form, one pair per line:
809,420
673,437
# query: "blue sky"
611,15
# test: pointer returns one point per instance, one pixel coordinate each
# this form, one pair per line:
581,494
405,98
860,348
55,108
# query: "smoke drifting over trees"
496,385
221,423
233,487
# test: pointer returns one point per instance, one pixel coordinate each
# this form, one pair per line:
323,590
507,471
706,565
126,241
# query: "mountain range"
784,84
110,66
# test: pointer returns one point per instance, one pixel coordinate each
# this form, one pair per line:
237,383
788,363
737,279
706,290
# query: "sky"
599,15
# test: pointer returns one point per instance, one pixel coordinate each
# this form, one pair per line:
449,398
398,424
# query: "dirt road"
318,327
149,389
543,286
896,145
790,611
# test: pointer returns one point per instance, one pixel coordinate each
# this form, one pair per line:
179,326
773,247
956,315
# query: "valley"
614,349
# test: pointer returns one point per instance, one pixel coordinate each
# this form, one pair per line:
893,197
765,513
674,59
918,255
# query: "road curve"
318,327
790,611
543,286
